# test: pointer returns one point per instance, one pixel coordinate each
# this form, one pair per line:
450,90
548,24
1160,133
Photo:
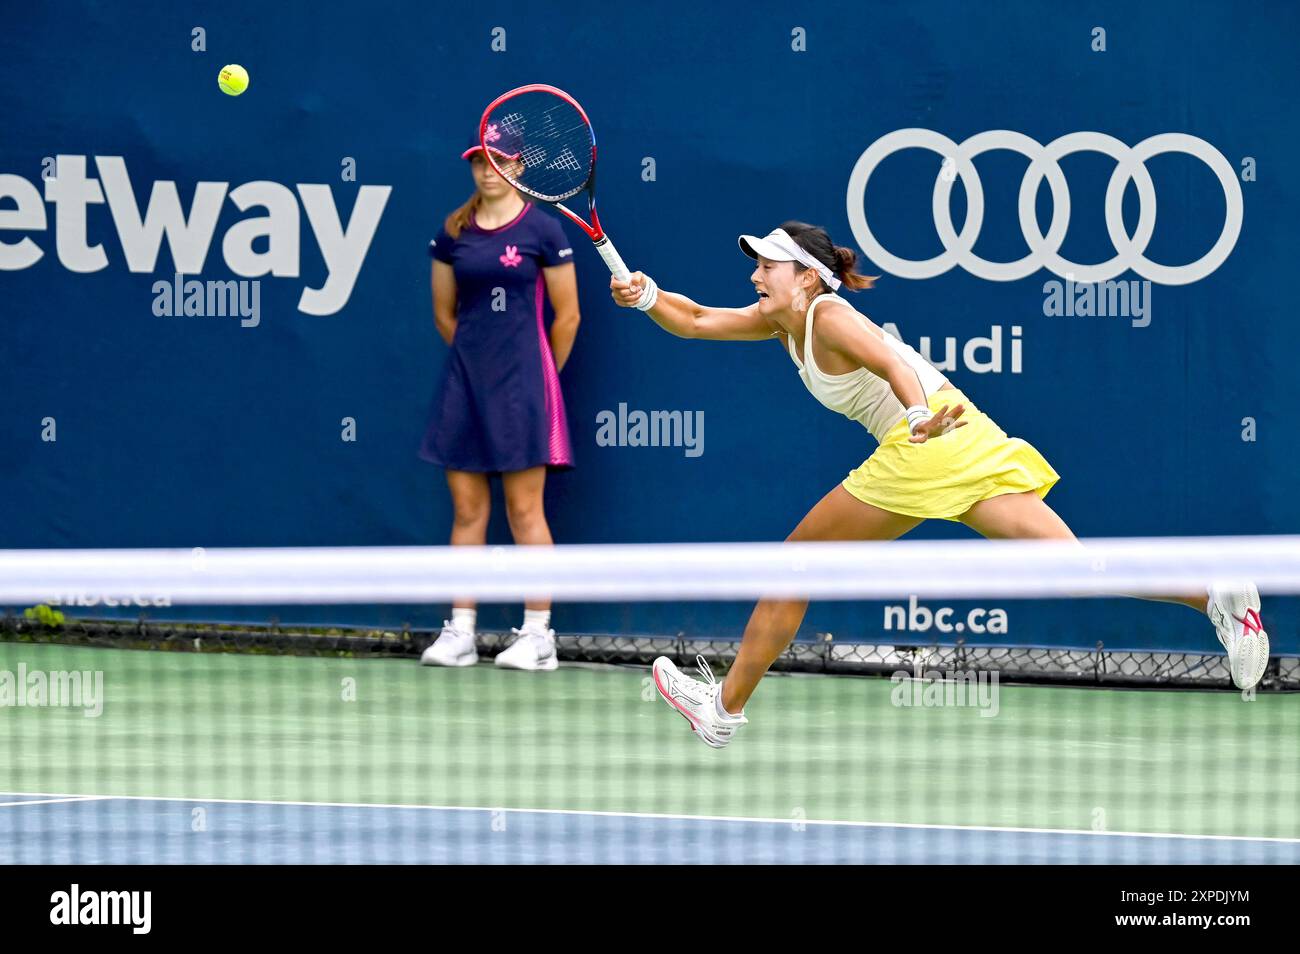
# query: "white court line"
51,801
663,816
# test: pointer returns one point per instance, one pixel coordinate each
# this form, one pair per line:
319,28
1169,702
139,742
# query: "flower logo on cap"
491,135
511,258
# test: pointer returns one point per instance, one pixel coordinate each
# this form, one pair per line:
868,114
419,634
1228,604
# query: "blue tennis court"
60,829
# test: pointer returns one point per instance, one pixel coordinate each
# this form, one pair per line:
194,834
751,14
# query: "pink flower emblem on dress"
491,135
511,258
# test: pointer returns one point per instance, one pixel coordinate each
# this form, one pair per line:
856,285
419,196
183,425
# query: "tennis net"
239,738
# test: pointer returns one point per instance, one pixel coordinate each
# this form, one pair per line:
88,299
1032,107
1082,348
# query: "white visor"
780,247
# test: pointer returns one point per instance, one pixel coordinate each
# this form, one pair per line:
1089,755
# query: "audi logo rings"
1044,162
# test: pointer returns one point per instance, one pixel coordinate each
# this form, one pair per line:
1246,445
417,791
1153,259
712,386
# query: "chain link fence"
1096,666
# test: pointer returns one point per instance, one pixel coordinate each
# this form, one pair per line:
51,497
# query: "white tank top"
860,395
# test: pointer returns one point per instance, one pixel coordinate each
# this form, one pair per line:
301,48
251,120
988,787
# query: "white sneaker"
696,700
534,651
453,647
1234,610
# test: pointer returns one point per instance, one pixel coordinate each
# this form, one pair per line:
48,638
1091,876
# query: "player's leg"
1232,607
525,508
1026,516
773,624
471,503
526,511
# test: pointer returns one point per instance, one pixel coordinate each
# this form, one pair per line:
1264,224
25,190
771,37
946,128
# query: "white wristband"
917,414
649,295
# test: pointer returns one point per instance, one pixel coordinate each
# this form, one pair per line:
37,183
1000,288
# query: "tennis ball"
232,79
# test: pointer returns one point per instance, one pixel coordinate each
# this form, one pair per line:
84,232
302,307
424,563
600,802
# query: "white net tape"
954,569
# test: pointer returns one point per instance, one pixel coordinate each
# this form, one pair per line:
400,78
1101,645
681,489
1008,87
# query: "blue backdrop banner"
1085,216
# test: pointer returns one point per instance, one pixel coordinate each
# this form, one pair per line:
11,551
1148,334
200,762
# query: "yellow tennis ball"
232,79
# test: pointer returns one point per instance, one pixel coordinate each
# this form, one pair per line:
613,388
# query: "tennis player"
499,409
939,457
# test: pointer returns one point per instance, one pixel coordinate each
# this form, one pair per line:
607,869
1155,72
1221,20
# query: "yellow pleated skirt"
946,476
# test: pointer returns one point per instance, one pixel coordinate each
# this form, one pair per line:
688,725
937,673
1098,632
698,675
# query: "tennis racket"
540,141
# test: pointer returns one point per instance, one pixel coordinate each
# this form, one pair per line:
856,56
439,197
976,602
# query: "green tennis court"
1114,766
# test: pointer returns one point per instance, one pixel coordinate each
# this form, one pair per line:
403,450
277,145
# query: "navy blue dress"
498,407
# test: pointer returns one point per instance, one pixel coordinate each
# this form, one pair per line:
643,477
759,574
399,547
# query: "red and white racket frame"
597,235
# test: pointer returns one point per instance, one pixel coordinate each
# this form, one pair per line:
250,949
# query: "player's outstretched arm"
686,319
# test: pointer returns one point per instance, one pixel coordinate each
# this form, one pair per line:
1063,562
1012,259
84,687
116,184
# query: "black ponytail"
842,261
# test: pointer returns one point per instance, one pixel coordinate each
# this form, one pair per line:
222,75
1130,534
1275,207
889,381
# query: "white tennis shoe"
696,700
453,647
1234,610
534,651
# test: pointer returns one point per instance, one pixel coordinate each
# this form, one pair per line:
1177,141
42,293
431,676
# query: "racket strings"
553,142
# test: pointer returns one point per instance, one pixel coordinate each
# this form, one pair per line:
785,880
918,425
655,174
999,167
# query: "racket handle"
610,254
